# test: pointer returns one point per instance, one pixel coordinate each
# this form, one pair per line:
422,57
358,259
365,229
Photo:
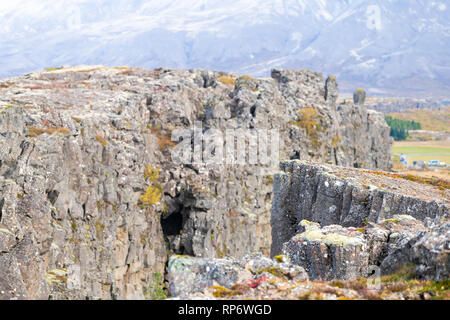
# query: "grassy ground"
425,151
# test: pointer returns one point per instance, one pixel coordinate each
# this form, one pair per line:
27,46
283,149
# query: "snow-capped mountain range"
393,47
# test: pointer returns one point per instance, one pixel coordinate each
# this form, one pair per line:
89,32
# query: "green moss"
99,206
156,289
73,225
338,284
276,271
391,221
438,290
404,273
221,252
99,227
151,173
53,69
221,292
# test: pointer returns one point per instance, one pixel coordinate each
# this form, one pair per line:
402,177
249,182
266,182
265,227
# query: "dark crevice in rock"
24,146
84,209
295,156
52,196
314,196
2,202
253,111
173,224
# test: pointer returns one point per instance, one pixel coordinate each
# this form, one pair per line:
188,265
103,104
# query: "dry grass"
36,131
164,140
439,174
309,119
440,184
430,144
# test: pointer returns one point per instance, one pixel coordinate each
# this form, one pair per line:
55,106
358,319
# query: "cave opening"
172,224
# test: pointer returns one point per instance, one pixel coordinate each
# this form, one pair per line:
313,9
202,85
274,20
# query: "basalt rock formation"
338,222
370,235
91,201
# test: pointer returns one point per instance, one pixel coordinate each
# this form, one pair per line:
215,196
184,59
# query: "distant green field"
424,153
420,149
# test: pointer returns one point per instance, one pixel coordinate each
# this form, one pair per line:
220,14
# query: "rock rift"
92,203
337,233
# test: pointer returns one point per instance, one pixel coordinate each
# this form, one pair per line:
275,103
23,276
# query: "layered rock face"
400,258
91,201
341,223
369,235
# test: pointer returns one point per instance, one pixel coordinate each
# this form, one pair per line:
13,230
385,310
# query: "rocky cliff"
91,201
337,222
337,233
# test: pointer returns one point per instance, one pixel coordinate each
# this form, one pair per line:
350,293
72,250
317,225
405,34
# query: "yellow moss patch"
102,140
220,292
226,80
53,69
280,258
335,141
154,191
245,77
151,173
56,276
276,271
150,197
309,119
99,227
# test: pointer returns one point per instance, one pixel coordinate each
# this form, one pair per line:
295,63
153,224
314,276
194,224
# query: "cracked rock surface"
91,203
329,221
